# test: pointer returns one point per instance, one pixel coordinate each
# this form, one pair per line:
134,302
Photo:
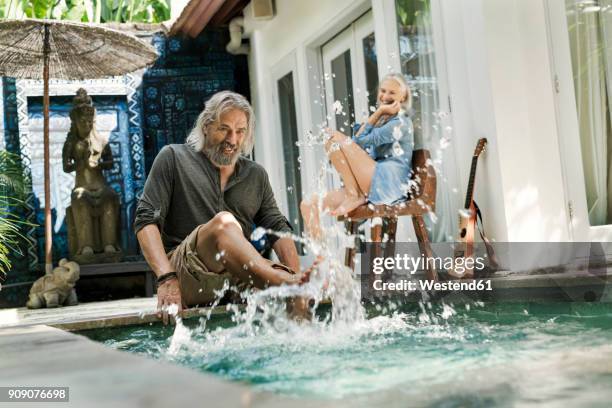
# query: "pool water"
505,353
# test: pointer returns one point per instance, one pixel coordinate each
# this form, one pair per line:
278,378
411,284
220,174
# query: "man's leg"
222,246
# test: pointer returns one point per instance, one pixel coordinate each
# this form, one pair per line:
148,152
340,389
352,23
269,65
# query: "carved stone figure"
56,289
93,216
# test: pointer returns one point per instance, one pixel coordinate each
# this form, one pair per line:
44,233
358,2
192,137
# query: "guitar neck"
470,190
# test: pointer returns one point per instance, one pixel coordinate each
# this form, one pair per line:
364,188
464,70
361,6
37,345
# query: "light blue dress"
390,145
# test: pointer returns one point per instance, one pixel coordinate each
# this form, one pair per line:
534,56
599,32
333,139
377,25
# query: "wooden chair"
422,199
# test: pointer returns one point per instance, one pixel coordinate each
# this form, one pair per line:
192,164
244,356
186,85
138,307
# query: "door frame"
286,65
342,42
568,129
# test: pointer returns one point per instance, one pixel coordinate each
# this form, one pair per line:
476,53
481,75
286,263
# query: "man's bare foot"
315,264
299,309
315,267
348,205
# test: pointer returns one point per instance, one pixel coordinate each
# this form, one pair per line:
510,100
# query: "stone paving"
98,376
91,315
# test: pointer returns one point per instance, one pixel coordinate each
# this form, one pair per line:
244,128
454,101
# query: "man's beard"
216,153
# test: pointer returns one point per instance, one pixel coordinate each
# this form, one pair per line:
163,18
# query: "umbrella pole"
48,236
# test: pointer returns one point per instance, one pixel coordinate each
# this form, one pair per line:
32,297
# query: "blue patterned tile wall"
20,257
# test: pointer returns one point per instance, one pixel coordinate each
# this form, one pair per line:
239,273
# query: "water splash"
266,313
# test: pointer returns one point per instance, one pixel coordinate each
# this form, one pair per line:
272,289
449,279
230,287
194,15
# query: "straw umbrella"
43,49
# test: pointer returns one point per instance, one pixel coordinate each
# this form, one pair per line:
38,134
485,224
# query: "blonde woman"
375,163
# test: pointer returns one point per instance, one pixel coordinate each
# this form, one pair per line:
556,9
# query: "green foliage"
37,8
409,11
94,11
8,8
13,182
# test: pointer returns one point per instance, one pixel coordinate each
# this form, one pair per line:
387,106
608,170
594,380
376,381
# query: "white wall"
503,90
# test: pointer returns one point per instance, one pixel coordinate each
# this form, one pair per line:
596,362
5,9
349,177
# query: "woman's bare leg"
355,167
310,210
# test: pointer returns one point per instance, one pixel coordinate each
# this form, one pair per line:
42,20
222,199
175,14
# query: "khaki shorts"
197,283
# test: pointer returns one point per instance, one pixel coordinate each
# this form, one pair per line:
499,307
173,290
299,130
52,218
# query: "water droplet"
337,107
397,133
397,149
257,234
444,142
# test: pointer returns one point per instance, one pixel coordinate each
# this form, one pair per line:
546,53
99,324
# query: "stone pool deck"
92,315
37,349
98,376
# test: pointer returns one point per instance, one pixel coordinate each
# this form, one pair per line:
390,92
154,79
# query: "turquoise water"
477,355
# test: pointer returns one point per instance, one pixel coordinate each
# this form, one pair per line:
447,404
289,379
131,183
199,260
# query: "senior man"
199,205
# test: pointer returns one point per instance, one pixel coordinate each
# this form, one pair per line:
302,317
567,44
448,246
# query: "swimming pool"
478,354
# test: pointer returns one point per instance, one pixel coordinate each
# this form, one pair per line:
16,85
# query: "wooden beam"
178,25
228,9
201,19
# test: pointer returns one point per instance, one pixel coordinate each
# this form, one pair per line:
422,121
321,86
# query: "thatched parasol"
43,49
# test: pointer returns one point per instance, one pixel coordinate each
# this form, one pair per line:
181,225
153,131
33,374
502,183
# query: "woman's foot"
348,205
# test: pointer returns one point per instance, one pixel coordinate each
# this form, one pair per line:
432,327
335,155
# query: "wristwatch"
166,276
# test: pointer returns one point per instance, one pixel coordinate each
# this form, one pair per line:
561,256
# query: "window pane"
342,81
419,65
371,68
418,61
291,152
590,36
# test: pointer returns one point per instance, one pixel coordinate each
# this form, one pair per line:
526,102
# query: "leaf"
13,182
75,10
161,10
27,8
42,8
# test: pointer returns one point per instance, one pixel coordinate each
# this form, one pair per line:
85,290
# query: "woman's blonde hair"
399,78
218,104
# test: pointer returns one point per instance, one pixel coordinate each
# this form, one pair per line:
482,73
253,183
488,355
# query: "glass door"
351,74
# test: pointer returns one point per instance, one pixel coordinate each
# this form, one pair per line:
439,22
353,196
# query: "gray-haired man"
199,205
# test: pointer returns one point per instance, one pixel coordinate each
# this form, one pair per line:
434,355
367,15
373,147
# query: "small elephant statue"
56,289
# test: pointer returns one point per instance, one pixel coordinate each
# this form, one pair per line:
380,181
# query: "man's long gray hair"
218,104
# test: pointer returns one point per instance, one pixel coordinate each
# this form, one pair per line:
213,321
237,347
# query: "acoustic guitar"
464,248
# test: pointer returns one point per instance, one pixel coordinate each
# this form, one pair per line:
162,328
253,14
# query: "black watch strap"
166,276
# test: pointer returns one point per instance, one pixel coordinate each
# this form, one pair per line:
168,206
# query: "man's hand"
169,293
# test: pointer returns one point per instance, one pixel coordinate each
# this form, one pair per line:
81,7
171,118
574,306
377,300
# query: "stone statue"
93,216
56,289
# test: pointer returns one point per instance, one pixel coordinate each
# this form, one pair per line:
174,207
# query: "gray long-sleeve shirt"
183,190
